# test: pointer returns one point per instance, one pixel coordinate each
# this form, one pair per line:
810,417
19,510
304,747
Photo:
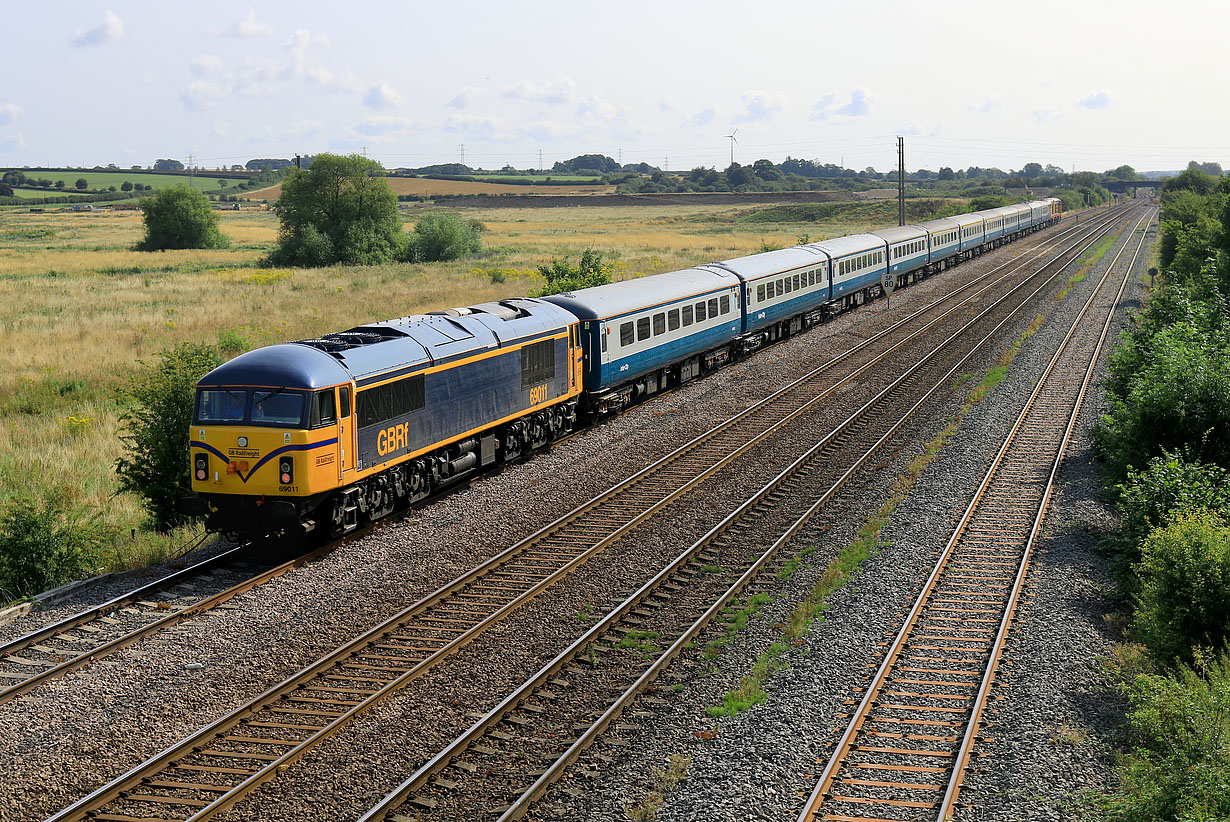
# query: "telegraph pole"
540,159
900,181
190,171
463,154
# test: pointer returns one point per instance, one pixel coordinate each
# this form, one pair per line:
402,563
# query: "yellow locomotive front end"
262,456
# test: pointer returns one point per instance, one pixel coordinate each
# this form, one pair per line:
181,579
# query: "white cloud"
382,95
111,28
383,124
1044,115
477,127
221,128
466,97
556,93
206,65
830,105
1095,101
301,128
201,95
760,106
9,112
984,106
12,142
703,117
249,27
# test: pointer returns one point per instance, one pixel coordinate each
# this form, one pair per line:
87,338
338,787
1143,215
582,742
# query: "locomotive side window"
659,323
323,409
726,304
672,319
625,333
395,399
687,316
642,329
700,312
344,392
537,363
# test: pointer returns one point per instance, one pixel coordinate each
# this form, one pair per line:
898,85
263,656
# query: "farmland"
79,309
104,179
426,187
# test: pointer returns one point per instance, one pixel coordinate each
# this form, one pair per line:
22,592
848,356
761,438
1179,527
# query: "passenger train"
330,433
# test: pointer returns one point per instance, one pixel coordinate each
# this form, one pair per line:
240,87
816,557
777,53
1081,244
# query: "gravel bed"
74,734
760,764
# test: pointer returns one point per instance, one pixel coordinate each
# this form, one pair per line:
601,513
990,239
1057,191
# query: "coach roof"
626,296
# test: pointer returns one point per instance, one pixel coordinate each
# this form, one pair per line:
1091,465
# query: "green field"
537,178
105,179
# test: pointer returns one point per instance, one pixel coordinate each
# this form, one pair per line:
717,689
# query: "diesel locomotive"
333,432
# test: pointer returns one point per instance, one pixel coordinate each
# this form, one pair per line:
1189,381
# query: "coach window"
642,329
625,333
760,293
672,319
788,284
659,323
796,282
687,316
713,308
726,304
700,312
781,288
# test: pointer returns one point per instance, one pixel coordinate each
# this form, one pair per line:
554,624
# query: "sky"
1087,85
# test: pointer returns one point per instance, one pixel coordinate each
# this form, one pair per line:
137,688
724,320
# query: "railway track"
508,759
215,767
906,749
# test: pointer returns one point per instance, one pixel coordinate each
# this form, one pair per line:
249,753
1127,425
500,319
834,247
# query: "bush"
1184,599
444,236
155,429
562,275
40,547
1179,768
179,217
1166,486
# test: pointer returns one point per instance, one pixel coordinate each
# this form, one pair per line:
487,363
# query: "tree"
82,183
221,183
6,190
444,236
179,217
946,173
59,184
168,165
126,186
341,210
1032,170
155,429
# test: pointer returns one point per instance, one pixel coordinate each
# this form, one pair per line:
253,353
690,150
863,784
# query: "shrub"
179,217
1179,768
1169,485
41,547
444,236
1184,599
155,429
562,275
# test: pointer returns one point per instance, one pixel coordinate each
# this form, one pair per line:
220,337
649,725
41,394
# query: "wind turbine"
733,142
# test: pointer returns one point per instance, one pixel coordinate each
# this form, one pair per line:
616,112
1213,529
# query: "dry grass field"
79,308
424,187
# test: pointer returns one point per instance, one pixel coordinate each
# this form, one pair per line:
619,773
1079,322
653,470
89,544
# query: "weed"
665,779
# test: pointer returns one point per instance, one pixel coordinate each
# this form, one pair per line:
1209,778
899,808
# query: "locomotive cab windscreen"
278,407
